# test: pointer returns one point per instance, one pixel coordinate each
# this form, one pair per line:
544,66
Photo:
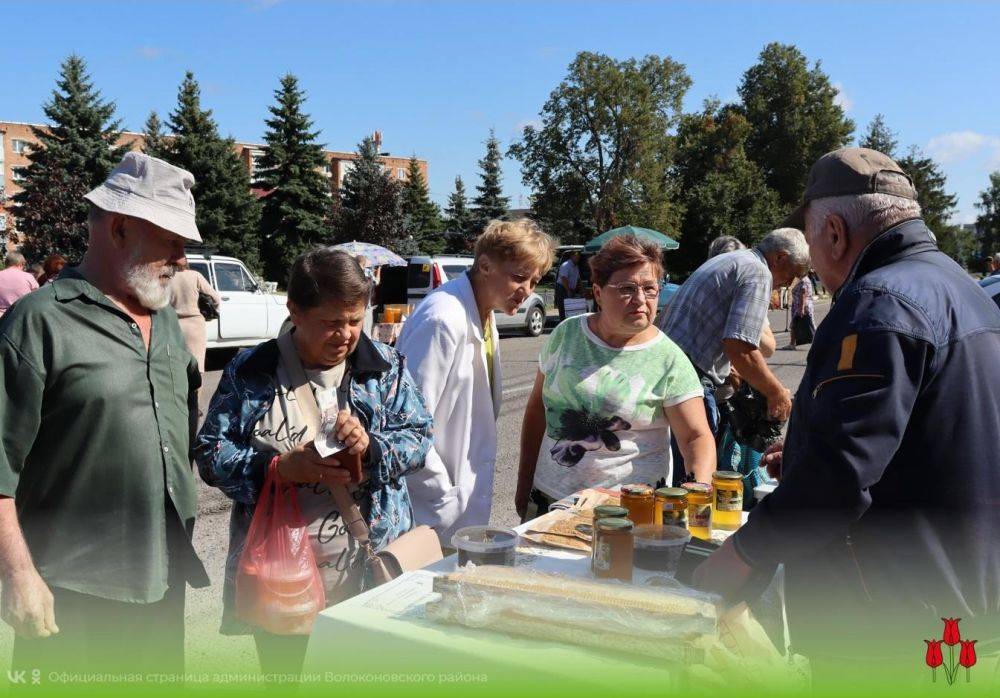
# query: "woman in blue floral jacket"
254,423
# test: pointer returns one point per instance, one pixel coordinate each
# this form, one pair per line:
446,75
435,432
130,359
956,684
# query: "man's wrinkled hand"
779,405
27,605
772,458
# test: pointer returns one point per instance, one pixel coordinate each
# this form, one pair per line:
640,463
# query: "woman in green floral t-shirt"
610,388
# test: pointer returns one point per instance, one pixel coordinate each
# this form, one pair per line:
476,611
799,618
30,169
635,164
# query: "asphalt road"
208,650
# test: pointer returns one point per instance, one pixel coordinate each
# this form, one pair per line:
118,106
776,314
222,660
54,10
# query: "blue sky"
434,77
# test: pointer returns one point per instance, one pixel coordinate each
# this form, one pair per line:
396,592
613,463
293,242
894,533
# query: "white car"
424,274
248,315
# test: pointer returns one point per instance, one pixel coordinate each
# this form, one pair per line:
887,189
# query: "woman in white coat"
453,352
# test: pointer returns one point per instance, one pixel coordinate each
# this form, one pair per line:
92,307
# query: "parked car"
248,315
424,274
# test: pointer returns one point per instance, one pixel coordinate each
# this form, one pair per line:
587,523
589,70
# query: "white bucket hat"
152,190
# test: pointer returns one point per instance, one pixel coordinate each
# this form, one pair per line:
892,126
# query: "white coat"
444,348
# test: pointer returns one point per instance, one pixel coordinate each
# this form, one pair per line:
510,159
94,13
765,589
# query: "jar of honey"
699,509
609,511
671,507
613,552
728,500
639,501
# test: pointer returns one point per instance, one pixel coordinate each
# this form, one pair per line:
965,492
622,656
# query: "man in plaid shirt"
718,315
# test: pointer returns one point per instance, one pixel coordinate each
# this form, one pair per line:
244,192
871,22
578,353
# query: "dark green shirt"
95,437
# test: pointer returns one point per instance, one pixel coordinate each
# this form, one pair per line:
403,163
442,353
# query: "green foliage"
879,137
793,118
154,143
297,209
74,155
423,217
490,203
370,207
723,192
937,206
458,221
988,222
602,154
228,214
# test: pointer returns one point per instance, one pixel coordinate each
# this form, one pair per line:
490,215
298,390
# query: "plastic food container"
485,545
659,548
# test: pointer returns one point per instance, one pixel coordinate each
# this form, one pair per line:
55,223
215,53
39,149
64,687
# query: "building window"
400,173
17,174
18,146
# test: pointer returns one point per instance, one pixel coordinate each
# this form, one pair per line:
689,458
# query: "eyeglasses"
629,290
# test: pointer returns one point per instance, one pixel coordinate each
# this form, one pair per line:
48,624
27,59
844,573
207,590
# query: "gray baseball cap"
852,171
150,189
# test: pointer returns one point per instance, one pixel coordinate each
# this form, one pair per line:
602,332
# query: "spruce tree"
879,137
988,221
154,143
370,209
75,154
228,214
423,217
458,221
490,203
937,206
297,209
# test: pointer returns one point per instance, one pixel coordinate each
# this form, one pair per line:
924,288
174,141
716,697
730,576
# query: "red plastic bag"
278,585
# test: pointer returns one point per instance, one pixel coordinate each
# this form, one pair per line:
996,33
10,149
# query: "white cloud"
150,53
842,100
962,145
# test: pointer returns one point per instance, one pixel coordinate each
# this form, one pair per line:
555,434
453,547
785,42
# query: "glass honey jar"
613,552
728,500
609,511
699,501
640,502
671,507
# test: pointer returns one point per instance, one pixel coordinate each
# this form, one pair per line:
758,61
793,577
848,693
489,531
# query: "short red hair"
622,252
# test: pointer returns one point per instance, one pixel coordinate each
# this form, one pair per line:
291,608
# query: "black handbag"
802,329
207,306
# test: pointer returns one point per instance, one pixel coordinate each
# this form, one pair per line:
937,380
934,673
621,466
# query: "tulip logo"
952,637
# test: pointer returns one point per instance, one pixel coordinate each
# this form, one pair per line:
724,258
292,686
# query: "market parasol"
376,255
659,238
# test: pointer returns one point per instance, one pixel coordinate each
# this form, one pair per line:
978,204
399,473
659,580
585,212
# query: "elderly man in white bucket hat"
97,497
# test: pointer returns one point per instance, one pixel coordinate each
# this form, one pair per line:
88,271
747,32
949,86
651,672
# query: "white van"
248,315
424,274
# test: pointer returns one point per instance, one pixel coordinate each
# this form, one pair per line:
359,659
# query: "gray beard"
150,290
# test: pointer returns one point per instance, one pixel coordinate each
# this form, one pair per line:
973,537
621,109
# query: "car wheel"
535,322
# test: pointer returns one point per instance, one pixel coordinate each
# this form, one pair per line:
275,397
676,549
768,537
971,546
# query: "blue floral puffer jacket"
385,400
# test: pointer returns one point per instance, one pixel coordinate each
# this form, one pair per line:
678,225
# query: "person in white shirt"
452,351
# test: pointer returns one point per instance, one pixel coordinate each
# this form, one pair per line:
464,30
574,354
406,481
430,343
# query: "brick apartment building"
16,139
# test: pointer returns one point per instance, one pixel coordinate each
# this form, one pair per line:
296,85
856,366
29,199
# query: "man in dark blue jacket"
888,513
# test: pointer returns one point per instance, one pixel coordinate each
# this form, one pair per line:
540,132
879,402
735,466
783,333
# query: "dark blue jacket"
888,512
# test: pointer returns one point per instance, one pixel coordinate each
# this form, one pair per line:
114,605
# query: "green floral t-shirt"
605,423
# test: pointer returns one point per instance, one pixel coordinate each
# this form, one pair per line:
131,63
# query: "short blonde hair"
520,241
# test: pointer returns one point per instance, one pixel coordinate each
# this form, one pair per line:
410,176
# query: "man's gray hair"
724,244
14,259
877,211
790,240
